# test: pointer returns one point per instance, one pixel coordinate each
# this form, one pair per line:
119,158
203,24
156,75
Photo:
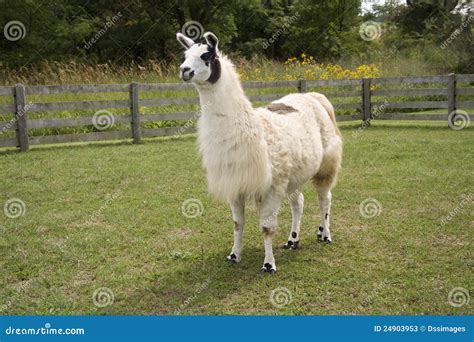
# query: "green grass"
109,215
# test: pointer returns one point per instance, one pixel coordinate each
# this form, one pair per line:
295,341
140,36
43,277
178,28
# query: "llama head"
201,60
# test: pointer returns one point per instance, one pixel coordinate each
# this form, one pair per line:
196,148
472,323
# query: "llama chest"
234,166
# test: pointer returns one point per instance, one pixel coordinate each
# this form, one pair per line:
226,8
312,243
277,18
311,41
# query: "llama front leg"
297,202
268,223
238,214
324,197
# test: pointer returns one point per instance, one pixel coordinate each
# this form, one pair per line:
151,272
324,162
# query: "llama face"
201,63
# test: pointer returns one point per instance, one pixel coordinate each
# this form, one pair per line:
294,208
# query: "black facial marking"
215,71
294,235
208,56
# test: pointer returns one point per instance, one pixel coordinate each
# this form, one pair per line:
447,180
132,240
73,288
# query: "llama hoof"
291,245
320,233
268,268
232,259
325,239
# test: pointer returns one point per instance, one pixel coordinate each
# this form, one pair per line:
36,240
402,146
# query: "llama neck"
226,97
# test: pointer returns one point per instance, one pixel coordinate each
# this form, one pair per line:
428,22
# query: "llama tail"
329,108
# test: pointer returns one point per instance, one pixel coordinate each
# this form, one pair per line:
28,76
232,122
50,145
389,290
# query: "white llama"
266,154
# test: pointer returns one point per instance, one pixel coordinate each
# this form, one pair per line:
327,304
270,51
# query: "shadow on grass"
188,287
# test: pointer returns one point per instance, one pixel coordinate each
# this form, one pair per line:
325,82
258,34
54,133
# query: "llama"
263,154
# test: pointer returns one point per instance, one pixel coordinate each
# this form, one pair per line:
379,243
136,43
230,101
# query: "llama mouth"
187,76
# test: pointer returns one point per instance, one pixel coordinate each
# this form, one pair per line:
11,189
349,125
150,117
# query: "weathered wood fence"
367,108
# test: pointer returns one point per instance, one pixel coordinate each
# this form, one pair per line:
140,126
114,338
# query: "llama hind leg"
238,214
297,202
323,187
324,198
269,209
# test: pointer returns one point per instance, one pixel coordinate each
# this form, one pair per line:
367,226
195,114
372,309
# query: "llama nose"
184,69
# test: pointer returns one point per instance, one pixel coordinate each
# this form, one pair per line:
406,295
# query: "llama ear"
211,40
185,41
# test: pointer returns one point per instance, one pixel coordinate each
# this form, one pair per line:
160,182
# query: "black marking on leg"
232,259
321,229
320,233
267,268
295,245
326,216
288,244
294,235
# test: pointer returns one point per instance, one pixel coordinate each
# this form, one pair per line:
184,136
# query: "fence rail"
371,95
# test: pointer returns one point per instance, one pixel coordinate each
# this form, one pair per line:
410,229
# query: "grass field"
110,216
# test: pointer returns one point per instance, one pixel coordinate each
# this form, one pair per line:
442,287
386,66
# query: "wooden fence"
366,91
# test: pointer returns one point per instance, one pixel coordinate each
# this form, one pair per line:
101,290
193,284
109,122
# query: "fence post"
366,101
451,99
20,117
135,113
302,86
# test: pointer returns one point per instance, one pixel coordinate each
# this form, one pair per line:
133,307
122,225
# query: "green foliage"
137,31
